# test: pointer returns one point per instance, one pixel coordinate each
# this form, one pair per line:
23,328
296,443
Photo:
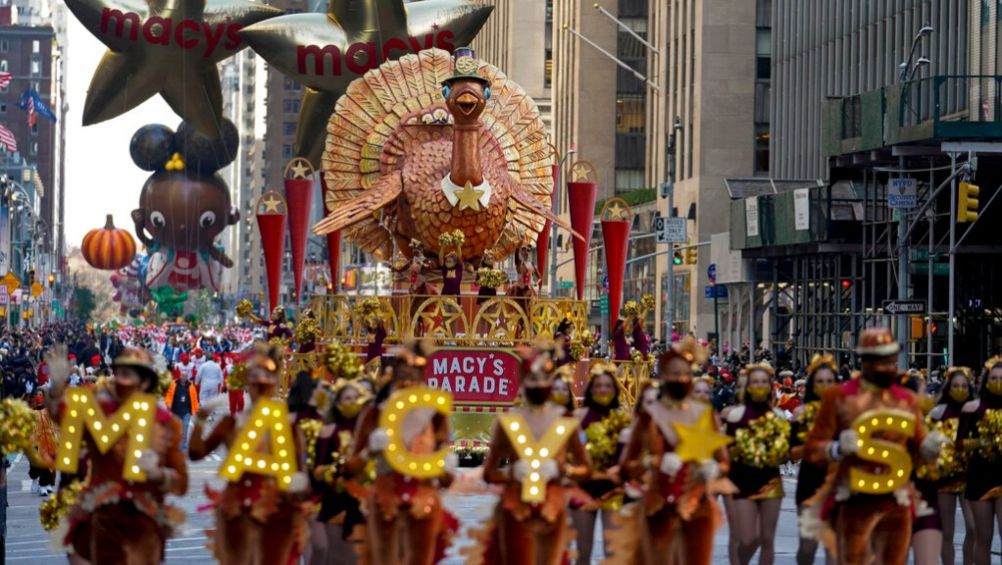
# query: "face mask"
602,399
959,394
350,410
883,379
537,395
759,393
559,398
820,389
995,387
677,390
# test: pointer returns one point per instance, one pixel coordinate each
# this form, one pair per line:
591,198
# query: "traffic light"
691,257
846,284
967,203
31,276
677,258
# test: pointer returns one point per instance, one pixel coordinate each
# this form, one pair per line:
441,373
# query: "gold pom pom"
56,507
951,462
340,361
245,308
764,443
237,377
990,432
631,309
491,278
17,420
602,438
307,331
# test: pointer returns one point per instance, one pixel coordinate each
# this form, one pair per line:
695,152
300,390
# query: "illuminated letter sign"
533,451
269,418
891,455
398,455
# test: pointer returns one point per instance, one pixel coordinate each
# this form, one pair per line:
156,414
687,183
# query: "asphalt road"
28,543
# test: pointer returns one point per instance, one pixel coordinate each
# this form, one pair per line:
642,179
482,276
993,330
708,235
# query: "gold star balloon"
325,52
166,47
697,442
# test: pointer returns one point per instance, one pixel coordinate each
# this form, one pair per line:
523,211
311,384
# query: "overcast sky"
100,176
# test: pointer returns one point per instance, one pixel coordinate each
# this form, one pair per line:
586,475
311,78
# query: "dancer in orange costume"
535,532
678,506
984,471
256,523
116,520
405,520
866,526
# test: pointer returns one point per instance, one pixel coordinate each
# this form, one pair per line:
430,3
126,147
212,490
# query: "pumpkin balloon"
108,248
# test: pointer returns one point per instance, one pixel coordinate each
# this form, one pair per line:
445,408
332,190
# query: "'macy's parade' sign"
474,376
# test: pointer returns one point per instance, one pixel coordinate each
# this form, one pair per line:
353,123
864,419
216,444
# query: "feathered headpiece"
989,364
761,366
822,360
686,349
966,371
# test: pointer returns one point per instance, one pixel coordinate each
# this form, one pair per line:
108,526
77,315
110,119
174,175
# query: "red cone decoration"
271,213
616,217
581,194
333,247
299,197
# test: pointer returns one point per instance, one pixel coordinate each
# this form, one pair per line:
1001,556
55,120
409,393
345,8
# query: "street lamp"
903,67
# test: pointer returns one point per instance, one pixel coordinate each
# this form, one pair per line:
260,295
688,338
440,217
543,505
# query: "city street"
28,543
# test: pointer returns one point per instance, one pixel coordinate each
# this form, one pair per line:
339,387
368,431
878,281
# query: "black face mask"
537,395
883,379
677,390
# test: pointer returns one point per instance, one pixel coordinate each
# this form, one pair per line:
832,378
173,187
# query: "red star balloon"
325,52
166,47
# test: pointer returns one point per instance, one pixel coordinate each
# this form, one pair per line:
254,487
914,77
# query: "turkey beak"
467,103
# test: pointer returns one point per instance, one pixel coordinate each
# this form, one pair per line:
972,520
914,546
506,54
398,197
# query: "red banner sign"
474,376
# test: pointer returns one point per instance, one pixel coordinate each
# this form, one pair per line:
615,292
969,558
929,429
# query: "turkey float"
431,144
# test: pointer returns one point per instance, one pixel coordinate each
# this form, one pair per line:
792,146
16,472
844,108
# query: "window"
3,65
34,128
36,46
3,107
34,148
761,149
36,68
287,151
291,105
289,128
4,45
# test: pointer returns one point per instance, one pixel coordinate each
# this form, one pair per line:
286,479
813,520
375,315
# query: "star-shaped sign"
166,47
325,52
271,203
616,212
300,168
469,197
699,441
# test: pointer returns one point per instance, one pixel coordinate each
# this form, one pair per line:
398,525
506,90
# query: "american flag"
5,79
31,112
7,139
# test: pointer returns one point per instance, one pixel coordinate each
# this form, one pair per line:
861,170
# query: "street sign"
605,282
715,291
902,193
670,230
603,304
566,284
904,306
3,295
711,273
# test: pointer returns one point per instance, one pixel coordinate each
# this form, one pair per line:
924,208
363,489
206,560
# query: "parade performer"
406,521
256,522
948,472
810,476
678,508
339,510
307,332
927,523
116,520
601,422
451,263
417,285
279,329
980,435
761,445
489,278
865,526
534,532
620,345
563,392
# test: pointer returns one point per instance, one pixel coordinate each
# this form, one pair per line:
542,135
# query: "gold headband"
821,360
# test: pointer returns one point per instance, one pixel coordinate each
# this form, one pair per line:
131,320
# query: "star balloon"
697,442
325,52
166,47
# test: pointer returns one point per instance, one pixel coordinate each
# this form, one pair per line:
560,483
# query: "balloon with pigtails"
184,204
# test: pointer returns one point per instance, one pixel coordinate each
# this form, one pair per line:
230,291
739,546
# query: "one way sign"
904,306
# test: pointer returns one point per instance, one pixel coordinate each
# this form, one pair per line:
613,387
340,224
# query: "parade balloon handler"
865,508
184,205
257,520
543,448
406,521
117,519
676,448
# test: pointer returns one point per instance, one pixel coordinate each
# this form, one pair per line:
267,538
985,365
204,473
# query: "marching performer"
761,445
866,526
405,520
534,532
981,436
678,508
255,521
810,477
116,520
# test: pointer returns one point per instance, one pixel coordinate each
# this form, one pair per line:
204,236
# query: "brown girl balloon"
184,204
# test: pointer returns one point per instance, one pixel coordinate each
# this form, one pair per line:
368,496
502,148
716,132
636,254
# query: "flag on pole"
31,112
7,139
5,79
32,102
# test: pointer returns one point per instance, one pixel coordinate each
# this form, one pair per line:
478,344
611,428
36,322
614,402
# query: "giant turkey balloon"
184,204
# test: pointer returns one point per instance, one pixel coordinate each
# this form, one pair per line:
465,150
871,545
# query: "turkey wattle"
417,149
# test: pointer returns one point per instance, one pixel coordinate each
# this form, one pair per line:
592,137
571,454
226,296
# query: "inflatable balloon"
184,205
162,48
108,248
130,292
325,52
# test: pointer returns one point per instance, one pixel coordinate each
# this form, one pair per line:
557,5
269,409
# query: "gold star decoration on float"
165,47
469,197
300,168
503,316
326,51
617,212
440,318
699,441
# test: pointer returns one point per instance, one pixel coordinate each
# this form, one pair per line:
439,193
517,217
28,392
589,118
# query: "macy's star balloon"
325,52
166,47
